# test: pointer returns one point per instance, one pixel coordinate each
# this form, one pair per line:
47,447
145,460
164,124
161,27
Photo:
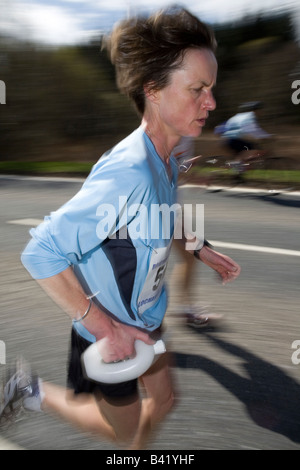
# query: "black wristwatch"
205,243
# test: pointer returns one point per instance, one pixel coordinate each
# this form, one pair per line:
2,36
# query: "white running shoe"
198,316
20,390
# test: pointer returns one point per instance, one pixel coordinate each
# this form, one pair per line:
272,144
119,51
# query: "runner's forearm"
66,291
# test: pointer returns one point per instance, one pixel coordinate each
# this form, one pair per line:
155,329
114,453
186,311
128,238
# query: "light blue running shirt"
116,232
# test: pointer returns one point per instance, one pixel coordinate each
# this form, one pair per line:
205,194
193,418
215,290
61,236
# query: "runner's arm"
66,291
227,269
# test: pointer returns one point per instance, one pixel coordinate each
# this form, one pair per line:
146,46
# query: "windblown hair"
146,50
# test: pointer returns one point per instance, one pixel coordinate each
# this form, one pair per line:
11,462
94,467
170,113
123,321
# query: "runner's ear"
150,92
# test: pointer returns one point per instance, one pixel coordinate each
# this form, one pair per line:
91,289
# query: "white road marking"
32,222
241,190
217,244
258,249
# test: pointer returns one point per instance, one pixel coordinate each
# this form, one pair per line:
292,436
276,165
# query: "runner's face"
185,103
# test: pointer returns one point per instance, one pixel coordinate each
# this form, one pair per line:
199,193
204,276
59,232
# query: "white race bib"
154,280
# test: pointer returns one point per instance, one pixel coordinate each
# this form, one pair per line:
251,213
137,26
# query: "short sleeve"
81,225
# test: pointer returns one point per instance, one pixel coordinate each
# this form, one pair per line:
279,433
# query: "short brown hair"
145,50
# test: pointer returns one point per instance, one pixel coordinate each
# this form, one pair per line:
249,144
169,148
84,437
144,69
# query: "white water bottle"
115,372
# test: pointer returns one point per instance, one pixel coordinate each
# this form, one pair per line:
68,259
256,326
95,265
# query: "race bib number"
154,280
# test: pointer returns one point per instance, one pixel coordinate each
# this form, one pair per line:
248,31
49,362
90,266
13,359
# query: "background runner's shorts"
80,384
239,145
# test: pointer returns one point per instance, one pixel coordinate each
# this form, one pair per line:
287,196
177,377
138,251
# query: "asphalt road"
238,387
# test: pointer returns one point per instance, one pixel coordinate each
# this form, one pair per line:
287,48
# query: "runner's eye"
197,90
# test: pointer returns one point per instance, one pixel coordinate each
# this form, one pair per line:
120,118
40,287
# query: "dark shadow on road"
270,396
283,200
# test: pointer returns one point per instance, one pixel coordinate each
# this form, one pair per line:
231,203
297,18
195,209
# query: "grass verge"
267,178
261,177
45,168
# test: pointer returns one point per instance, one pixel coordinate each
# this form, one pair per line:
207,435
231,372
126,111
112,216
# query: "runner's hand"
118,344
227,269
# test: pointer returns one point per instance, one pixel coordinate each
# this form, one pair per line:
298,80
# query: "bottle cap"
159,347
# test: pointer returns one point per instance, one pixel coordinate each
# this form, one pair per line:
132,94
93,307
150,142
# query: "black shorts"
239,145
78,382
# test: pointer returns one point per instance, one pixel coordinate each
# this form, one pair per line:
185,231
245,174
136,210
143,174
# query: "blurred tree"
61,102
55,95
